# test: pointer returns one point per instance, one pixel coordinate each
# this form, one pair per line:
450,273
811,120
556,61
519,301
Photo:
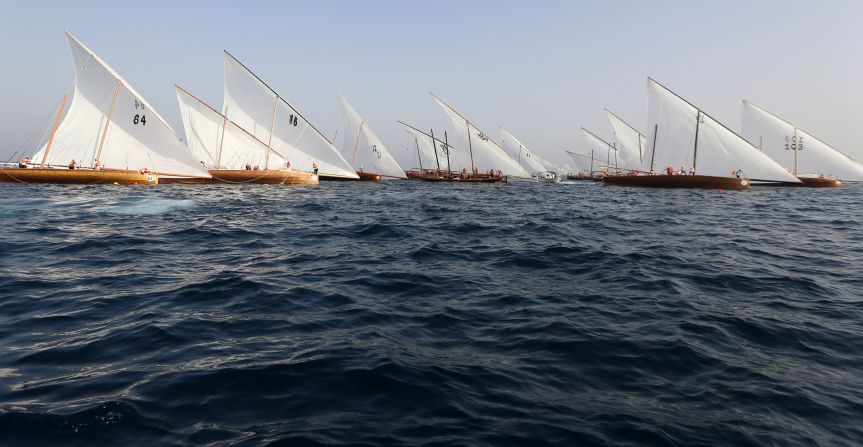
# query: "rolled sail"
363,148
254,106
134,137
672,132
780,140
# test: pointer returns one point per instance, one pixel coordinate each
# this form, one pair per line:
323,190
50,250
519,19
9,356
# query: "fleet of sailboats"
109,134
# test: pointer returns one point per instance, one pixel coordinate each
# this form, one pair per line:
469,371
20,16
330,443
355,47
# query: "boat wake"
145,206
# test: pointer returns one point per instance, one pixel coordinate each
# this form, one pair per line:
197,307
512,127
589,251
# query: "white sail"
254,106
422,149
220,143
673,124
601,149
630,142
587,163
363,148
482,152
519,152
549,166
136,136
780,140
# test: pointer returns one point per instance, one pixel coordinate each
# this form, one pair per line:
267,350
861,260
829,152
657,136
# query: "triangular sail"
363,148
254,106
672,125
134,137
482,152
780,140
218,142
587,163
519,152
630,142
422,149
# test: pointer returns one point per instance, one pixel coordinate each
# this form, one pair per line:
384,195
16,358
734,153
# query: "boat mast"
417,142
469,148
272,128
616,166
446,146
222,139
591,162
54,130
695,151
653,151
796,146
434,146
356,145
108,123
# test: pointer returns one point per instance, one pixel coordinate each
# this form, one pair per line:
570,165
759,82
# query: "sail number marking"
140,118
793,143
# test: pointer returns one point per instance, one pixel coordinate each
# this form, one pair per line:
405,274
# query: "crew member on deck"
73,164
315,168
669,171
97,165
692,170
24,162
248,166
288,166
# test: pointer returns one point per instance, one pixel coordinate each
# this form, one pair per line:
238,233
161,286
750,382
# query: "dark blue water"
422,314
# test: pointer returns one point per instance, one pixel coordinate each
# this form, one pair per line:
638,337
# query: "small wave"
150,206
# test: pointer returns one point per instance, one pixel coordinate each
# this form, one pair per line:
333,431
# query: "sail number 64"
140,119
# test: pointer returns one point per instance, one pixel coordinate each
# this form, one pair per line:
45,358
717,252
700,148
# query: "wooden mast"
222,139
54,130
356,145
653,151
434,146
108,123
417,142
695,150
272,128
469,147
446,146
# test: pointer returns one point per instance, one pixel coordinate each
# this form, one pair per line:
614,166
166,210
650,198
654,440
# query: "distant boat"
541,169
629,142
684,135
257,108
367,153
482,156
595,167
811,160
230,153
598,146
110,132
433,154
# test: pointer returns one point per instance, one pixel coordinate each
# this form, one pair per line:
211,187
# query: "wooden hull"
817,182
77,176
457,179
369,177
677,181
242,176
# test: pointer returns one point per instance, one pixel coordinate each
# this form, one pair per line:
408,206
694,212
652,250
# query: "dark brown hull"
241,176
369,177
457,179
677,181
77,176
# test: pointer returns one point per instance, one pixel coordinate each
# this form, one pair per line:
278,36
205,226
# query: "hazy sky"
540,69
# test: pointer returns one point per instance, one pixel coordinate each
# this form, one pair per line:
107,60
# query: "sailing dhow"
369,157
682,135
809,159
538,167
433,154
598,145
483,155
257,108
230,153
110,134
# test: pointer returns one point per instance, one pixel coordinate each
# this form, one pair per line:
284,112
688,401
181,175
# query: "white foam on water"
149,206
